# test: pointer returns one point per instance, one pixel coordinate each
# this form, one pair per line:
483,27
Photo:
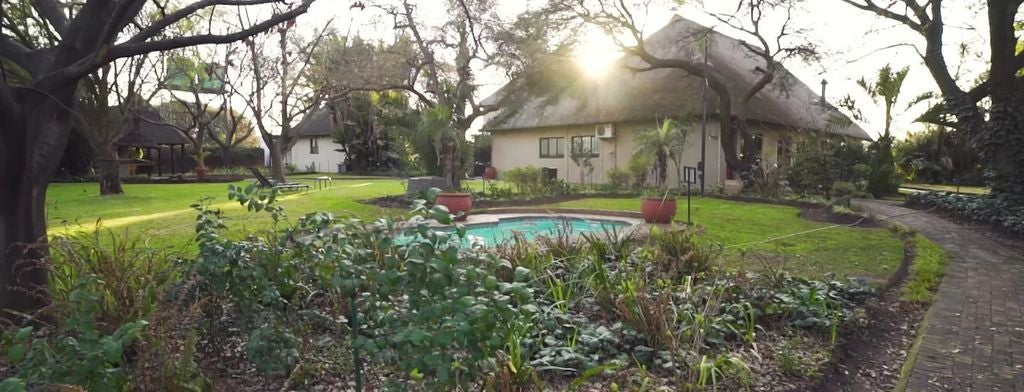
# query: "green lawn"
161,214
846,251
976,190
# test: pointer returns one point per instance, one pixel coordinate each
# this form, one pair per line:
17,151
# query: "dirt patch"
871,355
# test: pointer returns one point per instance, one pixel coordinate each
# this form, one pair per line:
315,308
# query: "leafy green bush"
978,208
78,353
619,178
843,192
133,275
638,167
528,180
765,182
438,314
681,253
883,179
818,163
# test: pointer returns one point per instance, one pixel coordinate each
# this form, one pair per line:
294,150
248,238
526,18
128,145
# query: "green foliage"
78,353
639,165
134,275
818,163
925,274
618,178
664,143
529,181
273,350
367,131
765,182
681,253
436,313
978,208
883,179
843,192
938,155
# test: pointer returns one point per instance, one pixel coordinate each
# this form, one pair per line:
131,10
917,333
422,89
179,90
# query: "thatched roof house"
313,146
624,100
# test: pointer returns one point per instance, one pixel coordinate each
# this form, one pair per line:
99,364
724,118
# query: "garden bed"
873,352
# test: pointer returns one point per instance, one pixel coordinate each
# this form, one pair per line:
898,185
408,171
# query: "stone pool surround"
492,215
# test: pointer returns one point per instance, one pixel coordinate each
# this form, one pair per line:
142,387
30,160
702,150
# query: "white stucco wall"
517,148
326,160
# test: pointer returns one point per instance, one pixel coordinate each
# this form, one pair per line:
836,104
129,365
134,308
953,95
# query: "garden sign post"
690,178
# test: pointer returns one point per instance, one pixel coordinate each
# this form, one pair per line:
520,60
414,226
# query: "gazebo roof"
148,129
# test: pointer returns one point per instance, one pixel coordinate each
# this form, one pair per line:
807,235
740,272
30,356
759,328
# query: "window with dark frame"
584,146
314,146
784,152
552,147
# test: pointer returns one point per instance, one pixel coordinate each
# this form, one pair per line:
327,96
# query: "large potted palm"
664,143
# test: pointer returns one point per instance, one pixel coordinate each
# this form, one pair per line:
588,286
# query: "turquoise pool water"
531,227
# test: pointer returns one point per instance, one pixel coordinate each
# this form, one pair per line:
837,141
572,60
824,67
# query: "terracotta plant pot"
456,202
658,210
490,173
201,171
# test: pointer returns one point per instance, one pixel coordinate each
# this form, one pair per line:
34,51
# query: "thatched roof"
148,129
314,124
622,95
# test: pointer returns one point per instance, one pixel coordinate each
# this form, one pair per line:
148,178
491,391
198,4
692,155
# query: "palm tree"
664,143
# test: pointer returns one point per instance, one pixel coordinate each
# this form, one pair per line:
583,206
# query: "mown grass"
161,212
741,227
925,274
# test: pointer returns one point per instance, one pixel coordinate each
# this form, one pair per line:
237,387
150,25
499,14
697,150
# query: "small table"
323,182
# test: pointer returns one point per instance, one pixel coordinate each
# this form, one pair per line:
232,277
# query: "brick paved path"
975,337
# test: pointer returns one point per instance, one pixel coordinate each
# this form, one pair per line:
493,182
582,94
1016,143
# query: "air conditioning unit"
604,131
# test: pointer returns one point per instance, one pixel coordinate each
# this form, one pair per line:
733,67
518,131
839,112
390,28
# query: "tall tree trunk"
225,155
109,175
36,132
277,161
1001,141
23,273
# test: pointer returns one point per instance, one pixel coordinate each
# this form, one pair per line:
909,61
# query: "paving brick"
975,341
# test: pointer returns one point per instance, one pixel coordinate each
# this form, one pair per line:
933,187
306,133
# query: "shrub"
78,354
978,208
883,180
619,178
133,275
435,313
639,166
681,253
819,163
843,192
765,182
528,180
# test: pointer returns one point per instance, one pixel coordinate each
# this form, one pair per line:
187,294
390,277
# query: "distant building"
598,118
313,147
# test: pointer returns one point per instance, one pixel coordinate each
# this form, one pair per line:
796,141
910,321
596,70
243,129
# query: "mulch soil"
871,356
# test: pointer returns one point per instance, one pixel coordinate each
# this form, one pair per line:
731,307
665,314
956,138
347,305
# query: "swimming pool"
530,227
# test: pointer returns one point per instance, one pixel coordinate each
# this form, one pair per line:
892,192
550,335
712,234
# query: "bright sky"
850,40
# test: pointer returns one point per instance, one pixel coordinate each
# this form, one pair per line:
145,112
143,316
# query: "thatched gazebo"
148,131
